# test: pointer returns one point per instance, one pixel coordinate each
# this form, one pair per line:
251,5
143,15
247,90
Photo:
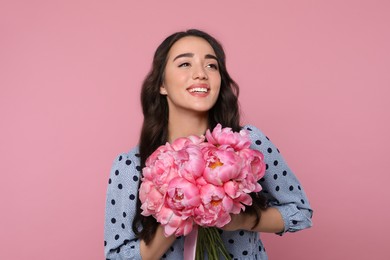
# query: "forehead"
191,44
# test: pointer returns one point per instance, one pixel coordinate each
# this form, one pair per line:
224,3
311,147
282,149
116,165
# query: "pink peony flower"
174,224
225,136
152,199
190,162
192,181
183,142
222,165
253,169
161,168
182,197
235,190
215,208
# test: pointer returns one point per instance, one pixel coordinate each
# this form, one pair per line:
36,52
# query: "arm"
289,209
281,187
119,240
271,221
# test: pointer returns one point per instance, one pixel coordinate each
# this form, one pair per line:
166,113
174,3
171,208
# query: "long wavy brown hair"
154,131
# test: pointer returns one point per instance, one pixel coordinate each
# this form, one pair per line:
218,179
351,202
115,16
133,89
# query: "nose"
199,73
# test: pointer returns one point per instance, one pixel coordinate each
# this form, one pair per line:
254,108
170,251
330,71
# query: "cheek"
179,79
218,81
216,96
218,86
218,91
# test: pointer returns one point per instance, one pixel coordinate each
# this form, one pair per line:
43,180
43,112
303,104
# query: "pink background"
314,76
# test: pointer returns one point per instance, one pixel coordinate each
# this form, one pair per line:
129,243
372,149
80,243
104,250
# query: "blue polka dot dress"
280,186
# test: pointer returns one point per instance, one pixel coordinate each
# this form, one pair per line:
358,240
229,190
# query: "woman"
187,91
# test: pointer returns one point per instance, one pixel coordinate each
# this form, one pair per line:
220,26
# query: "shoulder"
125,173
128,158
254,132
127,163
261,142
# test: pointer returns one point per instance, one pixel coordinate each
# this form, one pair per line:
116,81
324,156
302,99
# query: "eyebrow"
188,54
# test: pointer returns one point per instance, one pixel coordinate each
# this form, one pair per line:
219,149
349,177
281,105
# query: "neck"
185,125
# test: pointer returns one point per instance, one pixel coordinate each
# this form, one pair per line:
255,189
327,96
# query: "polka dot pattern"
120,208
280,187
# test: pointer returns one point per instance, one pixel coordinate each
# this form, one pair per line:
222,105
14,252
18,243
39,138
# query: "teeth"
198,90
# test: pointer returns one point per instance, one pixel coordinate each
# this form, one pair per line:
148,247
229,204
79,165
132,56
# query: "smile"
199,90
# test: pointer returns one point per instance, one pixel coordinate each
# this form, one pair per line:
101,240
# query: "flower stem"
209,241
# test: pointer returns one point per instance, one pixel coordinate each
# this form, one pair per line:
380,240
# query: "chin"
203,109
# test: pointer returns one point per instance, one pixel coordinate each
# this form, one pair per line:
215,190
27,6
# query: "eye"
184,64
212,66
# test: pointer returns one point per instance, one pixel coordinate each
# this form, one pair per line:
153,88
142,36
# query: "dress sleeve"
119,239
280,186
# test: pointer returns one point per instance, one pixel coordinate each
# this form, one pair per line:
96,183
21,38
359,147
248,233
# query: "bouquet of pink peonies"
200,181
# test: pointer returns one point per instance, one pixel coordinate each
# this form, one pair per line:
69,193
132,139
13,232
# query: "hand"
240,221
158,246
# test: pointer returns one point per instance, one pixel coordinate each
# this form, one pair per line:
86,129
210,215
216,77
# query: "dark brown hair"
155,110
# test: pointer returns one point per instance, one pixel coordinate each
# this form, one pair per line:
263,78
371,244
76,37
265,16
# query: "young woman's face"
192,80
